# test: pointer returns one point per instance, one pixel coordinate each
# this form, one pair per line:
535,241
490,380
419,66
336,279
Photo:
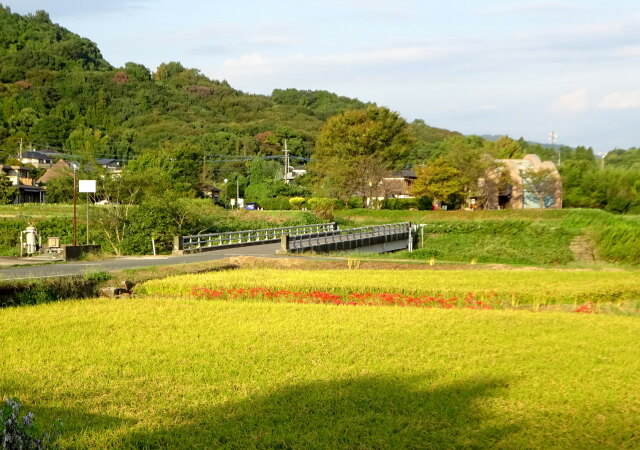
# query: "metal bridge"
320,238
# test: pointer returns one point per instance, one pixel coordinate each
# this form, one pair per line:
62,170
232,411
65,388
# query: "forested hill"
57,91
33,42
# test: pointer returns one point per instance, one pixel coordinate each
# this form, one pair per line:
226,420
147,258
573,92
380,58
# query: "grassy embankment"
181,373
529,237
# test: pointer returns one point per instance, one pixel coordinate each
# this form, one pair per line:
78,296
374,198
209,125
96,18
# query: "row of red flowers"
353,299
470,301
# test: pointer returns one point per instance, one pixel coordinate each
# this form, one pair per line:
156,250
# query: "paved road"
132,262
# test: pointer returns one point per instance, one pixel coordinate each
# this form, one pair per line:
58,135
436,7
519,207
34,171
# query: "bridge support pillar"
178,245
284,245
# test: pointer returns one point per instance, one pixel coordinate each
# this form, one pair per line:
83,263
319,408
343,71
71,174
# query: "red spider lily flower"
586,308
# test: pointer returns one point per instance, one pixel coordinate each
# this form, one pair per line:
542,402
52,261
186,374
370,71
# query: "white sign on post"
87,186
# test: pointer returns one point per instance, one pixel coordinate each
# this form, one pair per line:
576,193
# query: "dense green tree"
468,155
88,143
7,190
507,148
50,131
623,159
60,189
352,144
23,121
427,141
439,181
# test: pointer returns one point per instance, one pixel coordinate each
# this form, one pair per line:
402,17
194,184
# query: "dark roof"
50,152
404,173
108,162
34,154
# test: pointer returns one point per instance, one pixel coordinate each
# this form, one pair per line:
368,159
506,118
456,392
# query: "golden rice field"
266,358
502,288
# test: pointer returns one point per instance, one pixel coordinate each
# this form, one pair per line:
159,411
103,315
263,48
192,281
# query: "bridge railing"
231,238
316,239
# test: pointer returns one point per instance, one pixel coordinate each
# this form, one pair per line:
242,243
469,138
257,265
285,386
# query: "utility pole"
553,137
20,157
75,201
286,163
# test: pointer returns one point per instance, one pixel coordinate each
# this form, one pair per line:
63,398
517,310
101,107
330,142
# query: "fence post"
284,245
178,244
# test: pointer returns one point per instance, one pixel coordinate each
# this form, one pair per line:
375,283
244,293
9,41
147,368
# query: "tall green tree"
7,190
351,144
468,155
439,181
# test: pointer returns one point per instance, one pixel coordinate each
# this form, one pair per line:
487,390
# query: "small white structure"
29,239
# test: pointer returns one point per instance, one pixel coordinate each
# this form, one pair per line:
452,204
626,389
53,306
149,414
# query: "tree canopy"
355,149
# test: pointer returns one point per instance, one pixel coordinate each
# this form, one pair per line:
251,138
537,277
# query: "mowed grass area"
182,373
503,288
36,211
529,237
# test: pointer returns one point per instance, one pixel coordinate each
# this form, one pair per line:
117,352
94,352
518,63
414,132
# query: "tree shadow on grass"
369,412
76,422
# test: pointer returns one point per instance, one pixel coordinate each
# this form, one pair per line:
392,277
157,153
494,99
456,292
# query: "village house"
111,165
398,184
518,192
28,190
36,159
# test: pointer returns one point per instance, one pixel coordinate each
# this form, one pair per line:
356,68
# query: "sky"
519,67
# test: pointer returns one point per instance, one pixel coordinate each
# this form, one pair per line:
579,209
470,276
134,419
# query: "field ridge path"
582,248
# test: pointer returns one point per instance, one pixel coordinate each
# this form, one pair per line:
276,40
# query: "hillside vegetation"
184,134
529,237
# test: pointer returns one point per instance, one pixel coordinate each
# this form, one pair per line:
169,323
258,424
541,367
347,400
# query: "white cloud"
537,7
572,102
628,51
77,7
620,100
299,61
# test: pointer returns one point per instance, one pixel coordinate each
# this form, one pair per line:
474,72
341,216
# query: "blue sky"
522,68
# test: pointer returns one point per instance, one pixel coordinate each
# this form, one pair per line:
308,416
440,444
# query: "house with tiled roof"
20,177
36,159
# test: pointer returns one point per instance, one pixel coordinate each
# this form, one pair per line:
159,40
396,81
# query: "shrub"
10,230
421,203
297,202
22,432
97,276
322,207
276,203
30,292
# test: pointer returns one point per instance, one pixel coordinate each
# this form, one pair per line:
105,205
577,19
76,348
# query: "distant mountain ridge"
495,137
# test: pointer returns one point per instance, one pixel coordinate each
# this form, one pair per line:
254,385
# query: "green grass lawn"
183,373
531,236
37,211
